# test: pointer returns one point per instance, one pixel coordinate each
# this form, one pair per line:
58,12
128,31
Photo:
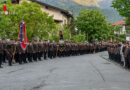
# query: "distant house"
123,29
60,16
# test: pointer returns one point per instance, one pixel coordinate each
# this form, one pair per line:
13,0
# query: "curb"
117,64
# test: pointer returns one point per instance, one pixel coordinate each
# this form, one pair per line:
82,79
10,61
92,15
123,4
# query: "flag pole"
13,61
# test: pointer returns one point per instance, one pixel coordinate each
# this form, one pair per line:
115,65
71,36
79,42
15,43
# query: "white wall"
128,38
56,13
122,30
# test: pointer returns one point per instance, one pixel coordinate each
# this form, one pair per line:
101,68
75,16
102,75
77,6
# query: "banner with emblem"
22,35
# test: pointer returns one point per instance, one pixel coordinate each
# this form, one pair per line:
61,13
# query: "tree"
93,23
79,37
72,27
39,25
122,6
66,33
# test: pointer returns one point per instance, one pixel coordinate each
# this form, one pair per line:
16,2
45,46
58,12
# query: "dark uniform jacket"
45,47
30,48
1,48
10,49
19,49
35,48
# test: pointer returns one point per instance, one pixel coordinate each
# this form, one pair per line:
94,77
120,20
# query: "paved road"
87,72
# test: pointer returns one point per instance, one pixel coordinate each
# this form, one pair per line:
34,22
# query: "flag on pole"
22,35
5,10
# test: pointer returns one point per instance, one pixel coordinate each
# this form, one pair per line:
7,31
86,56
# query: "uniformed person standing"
129,54
20,52
94,45
40,48
45,49
55,49
10,52
51,50
35,50
126,51
4,47
16,53
30,52
1,53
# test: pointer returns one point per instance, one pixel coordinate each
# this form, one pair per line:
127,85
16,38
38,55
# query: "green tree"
93,23
66,33
122,6
72,26
79,37
39,25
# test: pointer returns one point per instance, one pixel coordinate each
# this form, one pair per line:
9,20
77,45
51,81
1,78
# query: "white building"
122,30
123,27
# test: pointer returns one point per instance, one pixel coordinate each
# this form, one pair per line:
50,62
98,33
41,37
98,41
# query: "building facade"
60,16
122,29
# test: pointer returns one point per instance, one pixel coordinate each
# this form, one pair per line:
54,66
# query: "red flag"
22,35
5,10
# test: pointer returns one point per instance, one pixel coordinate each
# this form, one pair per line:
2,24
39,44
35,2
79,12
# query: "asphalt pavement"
86,72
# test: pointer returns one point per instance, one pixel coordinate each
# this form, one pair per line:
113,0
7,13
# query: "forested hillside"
111,14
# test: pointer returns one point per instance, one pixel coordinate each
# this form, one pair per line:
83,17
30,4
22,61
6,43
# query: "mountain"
76,5
105,3
87,2
80,2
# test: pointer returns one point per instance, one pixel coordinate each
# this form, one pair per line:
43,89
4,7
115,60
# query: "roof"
67,13
122,22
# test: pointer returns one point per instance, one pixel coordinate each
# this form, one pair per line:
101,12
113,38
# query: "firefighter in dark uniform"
65,47
126,51
94,45
20,52
30,52
24,54
54,49
118,54
51,49
1,53
40,48
35,50
45,49
16,53
4,47
10,52
61,50
128,56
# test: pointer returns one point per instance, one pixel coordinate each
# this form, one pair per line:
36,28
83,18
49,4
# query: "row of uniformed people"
13,52
120,53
